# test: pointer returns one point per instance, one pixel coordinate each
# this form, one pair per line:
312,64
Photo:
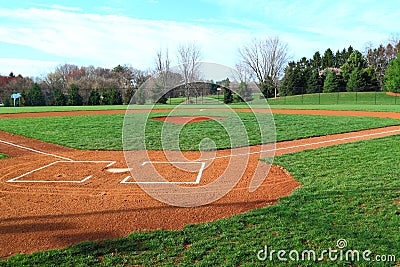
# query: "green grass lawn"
3,156
365,101
348,191
11,110
103,132
377,108
352,98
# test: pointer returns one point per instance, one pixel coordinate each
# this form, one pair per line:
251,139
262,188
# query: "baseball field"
68,197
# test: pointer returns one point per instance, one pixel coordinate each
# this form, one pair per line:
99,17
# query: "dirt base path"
60,196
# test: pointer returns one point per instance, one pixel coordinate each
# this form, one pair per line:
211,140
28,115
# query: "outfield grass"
103,132
348,191
12,110
365,101
377,108
352,98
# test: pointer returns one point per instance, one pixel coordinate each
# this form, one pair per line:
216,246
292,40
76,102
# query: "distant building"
335,70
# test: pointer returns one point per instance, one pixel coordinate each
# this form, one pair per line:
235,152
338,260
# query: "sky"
36,36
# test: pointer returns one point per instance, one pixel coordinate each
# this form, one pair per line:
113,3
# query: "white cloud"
26,67
69,34
109,40
60,7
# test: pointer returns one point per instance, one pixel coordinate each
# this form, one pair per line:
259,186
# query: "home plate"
119,170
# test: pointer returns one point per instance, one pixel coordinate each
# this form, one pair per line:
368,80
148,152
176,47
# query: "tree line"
346,70
263,61
71,85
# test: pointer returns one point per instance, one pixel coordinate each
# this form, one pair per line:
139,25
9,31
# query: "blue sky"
36,36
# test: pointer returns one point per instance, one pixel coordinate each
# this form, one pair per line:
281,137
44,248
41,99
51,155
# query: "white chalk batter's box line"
198,178
17,179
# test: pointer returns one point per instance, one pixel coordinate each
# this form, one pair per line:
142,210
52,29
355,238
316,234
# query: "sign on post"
15,97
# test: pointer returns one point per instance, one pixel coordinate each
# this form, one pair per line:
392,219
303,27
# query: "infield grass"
103,132
348,191
3,156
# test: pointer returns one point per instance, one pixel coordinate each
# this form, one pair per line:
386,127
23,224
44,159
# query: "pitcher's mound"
186,119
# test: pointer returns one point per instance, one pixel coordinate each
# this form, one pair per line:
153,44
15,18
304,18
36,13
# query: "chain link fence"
205,96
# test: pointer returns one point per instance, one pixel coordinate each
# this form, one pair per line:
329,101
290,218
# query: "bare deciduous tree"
162,67
243,73
267,59
188,63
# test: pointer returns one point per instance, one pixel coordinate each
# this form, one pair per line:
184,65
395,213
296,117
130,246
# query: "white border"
203,164
15,180
36,151
307,144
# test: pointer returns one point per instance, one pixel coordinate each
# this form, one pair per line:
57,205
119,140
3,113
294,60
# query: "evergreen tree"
94,98
391,79
338,59
328,59
59,98
331,83
370,79
35,97
294,81
104,97
314,83
355,61
74,98
316,62
356,81
115,97
228,96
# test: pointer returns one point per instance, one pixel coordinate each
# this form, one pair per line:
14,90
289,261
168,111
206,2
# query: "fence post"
319,98
337,98
375,96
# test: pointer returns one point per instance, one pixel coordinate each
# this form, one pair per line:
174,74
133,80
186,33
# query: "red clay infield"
60,196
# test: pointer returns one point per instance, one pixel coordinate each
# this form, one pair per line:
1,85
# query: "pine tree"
94,98
35,97
74,98
331,83
314,83
59,98
115,97
391,79
327,60
356,81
